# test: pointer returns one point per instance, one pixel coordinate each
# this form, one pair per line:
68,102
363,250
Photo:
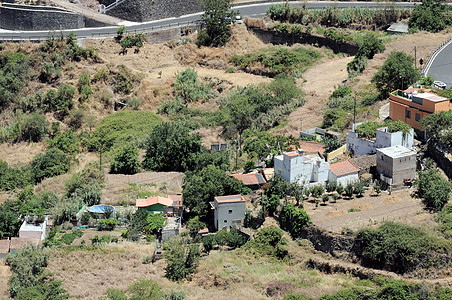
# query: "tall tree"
217,17
397,72
430,15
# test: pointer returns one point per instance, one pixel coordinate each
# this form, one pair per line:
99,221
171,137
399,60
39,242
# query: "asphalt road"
249,10
441,66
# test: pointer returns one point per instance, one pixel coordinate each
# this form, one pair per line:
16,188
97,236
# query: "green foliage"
270,203
107,224
154,222
137,224
51,163
356,66
13,73
433,188
269,241
331,186
358,189
278,186
169,147
145,289
399,247
126,161
438,126
171,106
217,17
66,141
29,281
445,220
398,67
84,87
430,15
181,258
132,40
194,225
331,143
293,219
369,45
317,191
35,127
202,186
349,190
187,87
69,237
426,82
125,80
277,60
123,128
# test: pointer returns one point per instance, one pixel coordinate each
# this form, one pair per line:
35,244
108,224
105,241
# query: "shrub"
331,186
181,258
325,198
51,163
107,224
349,190
134,103
187,87
154,222
145,289
433,188
294,219
194,225
269,241
35,127
340,189
126,161
217,17
317,191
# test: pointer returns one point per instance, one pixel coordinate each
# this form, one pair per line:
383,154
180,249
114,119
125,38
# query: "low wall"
170,34
148,10
277,38
329,242
442,155
34,18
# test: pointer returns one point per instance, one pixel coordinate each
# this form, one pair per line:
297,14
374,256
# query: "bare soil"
5,273
400,206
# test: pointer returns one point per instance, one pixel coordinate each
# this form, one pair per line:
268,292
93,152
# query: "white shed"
343,173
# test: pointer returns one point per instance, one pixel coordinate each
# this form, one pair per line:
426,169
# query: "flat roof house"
413,104
343,173
395,164
33,228
302,167
228,211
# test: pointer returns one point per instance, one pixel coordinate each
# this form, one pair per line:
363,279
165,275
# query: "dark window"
230,211
225,221
408,114
417,117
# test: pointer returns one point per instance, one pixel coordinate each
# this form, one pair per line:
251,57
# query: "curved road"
247,10
440,67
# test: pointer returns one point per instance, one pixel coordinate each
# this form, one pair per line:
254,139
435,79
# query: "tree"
51,163
317,191
433,188
126,161
270,204
194,225
331,143
169,147
278,186
145,289
369,45
181,258
294,219
217,19
349,190
297,190
201,187
430,15
397,72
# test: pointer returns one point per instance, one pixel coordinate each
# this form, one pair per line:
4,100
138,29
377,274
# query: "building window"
230,211
408,114
417,117
225,221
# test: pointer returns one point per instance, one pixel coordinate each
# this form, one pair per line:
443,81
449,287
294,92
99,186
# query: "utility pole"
354,111
415,58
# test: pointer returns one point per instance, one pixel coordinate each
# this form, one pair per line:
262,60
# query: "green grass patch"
276,60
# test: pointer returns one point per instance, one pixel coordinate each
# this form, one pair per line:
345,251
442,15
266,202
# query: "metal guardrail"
113,5
37,38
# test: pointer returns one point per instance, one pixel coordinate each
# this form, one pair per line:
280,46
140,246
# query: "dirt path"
321,81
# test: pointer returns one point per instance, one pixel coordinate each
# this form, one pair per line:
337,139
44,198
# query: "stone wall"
35,18
148,10
276,38
442,155
329,242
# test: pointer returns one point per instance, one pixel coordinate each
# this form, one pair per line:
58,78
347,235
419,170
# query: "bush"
35,127
181,258
349,190
433,188
294,219
317,191
269,241
194,225
187,87
217,17
51,163
126,161
107,224
430,16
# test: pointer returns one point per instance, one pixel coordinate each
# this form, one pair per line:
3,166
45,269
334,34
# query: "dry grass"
20,154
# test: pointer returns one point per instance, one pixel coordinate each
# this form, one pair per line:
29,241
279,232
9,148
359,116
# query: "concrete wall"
396,168
442,155
297,168
30,18
269,36
147,10
343,180
229,214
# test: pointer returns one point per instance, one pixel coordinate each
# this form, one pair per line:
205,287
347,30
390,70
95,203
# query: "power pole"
354,111
415,58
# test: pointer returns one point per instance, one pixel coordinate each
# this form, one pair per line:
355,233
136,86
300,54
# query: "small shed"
229,211
34,228
343,173
253,180
398,28
155,204
395,164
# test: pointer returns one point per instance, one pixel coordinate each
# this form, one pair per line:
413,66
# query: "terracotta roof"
17,242
177,199
250,179
343,168
230,198
154,200
294,153
309,146
4,246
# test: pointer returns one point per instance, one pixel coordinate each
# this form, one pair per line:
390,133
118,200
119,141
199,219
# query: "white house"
302,167
360,146
343,173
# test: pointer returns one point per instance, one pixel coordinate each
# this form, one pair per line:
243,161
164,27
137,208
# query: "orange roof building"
253,180
343,173
413,104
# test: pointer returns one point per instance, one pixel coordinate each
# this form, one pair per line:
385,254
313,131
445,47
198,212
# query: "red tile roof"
177,199
230,198
154,200
343,168
250,179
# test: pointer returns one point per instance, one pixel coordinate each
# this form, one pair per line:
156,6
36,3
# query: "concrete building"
395,164
33,228
302,167
383,138
228,211
413,104
343,173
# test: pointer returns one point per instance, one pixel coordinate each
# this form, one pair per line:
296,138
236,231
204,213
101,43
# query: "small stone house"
383,138
395,164
228,211
343,173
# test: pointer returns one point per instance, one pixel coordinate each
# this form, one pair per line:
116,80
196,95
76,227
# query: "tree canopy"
430,15
217,17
